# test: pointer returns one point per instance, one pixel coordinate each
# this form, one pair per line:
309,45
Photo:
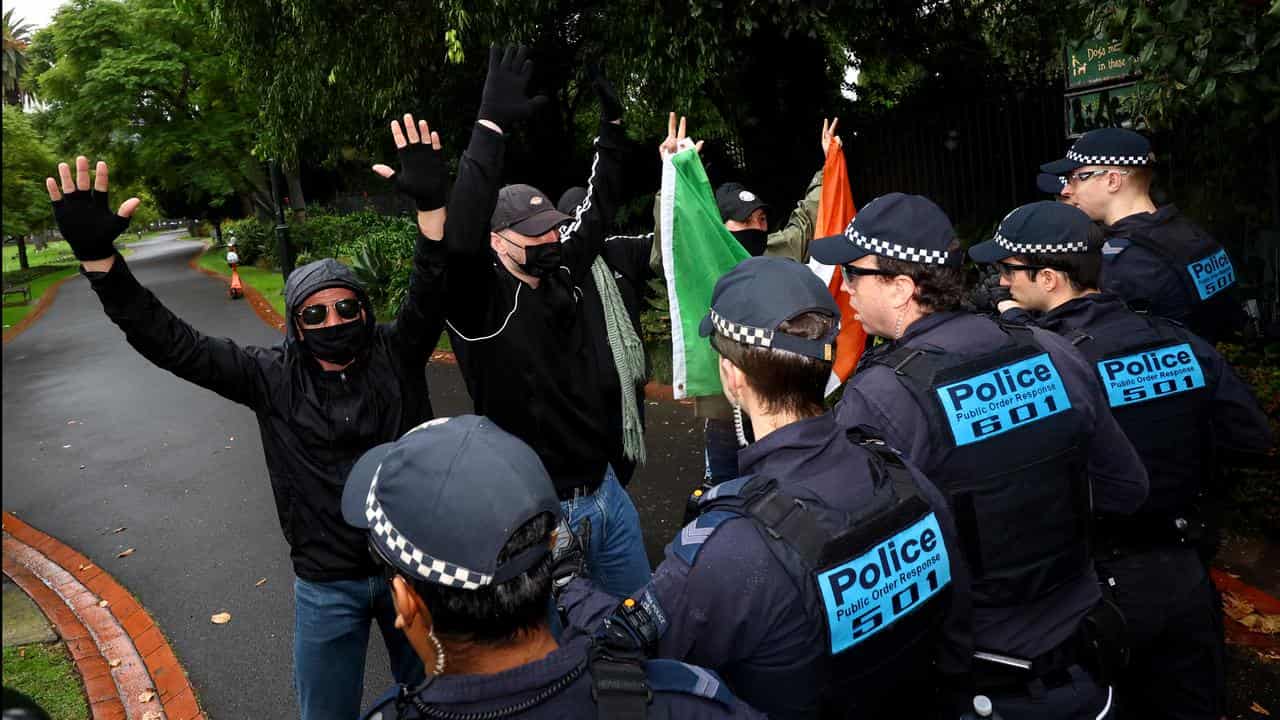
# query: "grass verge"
46,675
40,281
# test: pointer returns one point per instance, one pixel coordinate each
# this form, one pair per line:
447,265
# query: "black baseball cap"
735,202
1040,228
759,294
1104,146
442,501
1050,184
900,226
571,199
526,210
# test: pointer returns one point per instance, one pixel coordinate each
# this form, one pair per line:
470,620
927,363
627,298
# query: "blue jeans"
615,552
330,639
721,451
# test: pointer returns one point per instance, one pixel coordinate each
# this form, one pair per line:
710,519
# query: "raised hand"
83,217
569,554
422,176
610,105
829,136
505,98
677,139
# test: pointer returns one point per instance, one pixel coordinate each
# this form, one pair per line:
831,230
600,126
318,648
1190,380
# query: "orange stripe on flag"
835,210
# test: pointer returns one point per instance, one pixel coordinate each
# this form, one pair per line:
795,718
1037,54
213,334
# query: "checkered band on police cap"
744,334
1033,249
397,546
894,250
1110,159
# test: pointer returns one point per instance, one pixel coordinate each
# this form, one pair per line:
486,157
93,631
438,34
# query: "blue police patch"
1150,374
1212,274
869,593
1003,399
690,539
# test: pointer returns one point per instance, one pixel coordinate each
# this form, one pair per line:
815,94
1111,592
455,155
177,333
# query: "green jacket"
790,241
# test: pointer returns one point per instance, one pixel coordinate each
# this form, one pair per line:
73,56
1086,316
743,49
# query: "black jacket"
314,424
527,354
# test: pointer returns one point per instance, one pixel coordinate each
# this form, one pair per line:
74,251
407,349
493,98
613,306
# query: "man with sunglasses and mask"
1012,426
339,384
517,322
1154,258
1183,409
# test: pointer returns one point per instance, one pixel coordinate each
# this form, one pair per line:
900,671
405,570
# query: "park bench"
24,290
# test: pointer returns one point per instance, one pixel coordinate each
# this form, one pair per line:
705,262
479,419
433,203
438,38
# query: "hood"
1143,221
313,277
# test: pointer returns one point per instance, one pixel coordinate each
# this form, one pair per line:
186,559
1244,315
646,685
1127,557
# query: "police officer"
460,514
1013,427
826,581
1177,401
1155,259
1051,184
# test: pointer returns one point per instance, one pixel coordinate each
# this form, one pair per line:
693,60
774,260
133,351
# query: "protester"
745,215
461,514
1155,259
337,385
1012,426
611,304
763,585
519,328
1183,408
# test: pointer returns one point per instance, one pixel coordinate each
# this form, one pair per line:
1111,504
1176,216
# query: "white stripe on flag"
679,372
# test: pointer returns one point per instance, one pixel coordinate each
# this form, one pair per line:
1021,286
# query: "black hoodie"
314,424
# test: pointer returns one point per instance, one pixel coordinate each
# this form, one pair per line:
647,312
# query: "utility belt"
1118,535
1097,647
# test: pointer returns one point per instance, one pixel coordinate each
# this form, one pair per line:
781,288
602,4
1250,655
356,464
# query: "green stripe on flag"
696,251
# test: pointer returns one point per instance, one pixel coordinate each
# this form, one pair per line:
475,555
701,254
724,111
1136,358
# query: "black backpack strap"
619,684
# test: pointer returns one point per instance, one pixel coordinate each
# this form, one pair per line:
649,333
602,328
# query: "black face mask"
753,240
540,261
337,344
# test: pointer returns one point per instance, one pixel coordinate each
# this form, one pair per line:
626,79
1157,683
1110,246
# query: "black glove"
504,99
988,293
422,175
569,556
88,225
610,106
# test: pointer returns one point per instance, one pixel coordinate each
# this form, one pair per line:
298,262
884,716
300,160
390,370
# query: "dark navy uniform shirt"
679,691
876,398
729,604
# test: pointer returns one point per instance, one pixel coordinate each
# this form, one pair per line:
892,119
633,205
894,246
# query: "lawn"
13,313
57,252
46,674
267,282
47,267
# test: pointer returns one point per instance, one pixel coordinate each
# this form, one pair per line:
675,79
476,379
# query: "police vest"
1013,468
878,581
1157,390
1203,264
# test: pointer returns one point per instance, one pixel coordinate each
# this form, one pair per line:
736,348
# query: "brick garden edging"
69,589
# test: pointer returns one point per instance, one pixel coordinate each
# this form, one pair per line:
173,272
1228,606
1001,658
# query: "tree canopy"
27,161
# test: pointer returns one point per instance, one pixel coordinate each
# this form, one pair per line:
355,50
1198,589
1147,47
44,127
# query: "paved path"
182,470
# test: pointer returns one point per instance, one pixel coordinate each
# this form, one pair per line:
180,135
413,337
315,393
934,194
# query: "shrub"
255,240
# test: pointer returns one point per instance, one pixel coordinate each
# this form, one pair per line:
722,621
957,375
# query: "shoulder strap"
619,683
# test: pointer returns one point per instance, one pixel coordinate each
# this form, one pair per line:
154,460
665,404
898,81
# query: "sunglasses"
348,309
1007,269
852,272
1082,176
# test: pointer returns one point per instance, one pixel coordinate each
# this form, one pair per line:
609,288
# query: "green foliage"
146,87
17,37
254,239
47,675
27,161
1255,492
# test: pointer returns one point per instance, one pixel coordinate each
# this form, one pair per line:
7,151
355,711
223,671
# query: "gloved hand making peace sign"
83,216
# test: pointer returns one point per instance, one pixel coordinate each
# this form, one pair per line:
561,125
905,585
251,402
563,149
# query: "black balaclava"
753,240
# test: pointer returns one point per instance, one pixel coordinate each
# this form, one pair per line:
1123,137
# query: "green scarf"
628,357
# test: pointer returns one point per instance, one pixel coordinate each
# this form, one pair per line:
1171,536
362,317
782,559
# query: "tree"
17,36
144,84
27,161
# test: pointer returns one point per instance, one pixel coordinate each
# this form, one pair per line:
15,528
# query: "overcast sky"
37,13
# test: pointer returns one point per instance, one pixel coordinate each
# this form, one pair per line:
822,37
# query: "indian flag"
835,210
696,251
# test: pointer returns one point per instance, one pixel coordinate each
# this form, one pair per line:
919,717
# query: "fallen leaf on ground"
103,603
73,422
118,530
85,566
1235,606
221,618
22,652
260,582
114,663
152,715
1261,623
64,447
125,553
146,697
1259,709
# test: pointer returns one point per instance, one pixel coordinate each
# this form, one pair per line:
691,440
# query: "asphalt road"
96,438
